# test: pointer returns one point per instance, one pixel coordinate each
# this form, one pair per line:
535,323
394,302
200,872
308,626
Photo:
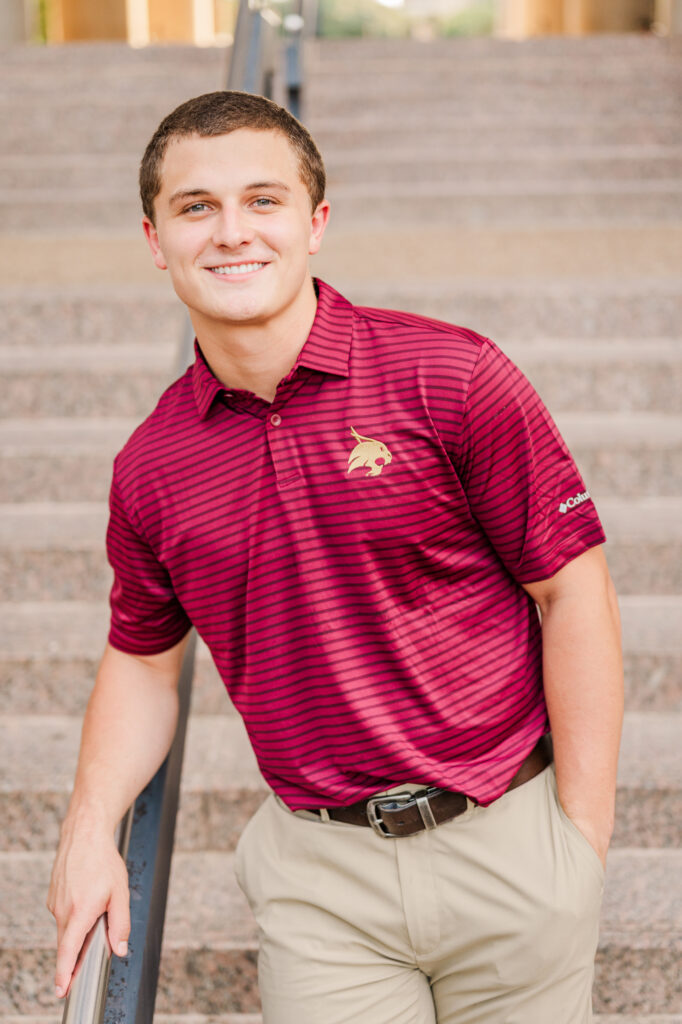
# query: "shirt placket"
280,430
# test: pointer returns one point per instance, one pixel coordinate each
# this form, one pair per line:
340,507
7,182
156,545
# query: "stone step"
635,311
629,454
523,102
532,203
483,51
382,128
122,379
438,74
100,317
440,166
410,253
430,202
124,78
94,125
117,173
50,649
404,258
222,787
126,379
52,552
101,123
648,90
114,172
501,308
444,71
105,54
208,959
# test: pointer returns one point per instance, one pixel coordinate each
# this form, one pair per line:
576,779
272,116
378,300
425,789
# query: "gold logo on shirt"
368,453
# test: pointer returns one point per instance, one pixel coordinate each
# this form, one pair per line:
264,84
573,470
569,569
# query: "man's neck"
256,357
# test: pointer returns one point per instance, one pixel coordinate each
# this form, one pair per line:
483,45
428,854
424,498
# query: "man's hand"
127,732
583,682
89,878
598,838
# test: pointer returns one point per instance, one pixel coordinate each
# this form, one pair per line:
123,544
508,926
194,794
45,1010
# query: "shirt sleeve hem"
561,557
143,647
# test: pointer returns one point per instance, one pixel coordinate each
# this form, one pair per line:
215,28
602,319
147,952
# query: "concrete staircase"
530,191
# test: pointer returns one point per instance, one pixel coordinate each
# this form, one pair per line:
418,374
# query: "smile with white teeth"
238,268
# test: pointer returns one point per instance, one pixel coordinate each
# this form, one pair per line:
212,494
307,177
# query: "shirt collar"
327,347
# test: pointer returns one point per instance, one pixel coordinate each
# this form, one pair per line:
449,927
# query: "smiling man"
361,511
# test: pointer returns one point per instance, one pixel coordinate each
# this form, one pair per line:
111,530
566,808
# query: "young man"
359,511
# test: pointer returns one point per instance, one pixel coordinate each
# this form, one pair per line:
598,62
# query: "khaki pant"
491,918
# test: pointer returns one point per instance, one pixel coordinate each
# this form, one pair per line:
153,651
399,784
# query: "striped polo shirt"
351,553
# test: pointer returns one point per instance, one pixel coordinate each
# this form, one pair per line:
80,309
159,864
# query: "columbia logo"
572,502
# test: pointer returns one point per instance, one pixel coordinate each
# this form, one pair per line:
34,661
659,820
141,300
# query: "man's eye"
263,201
196,208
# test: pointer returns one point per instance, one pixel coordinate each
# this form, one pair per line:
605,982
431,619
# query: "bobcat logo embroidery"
368,453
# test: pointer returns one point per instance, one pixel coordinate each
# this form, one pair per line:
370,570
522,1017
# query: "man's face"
234,227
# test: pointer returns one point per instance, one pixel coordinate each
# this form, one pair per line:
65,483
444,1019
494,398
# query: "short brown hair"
219,113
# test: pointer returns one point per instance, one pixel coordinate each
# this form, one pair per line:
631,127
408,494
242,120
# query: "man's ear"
152,237
317,226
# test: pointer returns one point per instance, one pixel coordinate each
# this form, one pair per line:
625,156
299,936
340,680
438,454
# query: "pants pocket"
578,840
241,850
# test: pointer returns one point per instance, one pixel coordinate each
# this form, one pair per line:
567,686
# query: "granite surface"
54,575
583,308
72,478
80,394
91,316
207,981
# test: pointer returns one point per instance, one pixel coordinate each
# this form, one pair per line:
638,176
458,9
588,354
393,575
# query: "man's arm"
127,731
583,682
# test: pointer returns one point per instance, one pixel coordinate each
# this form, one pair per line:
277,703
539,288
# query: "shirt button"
275,419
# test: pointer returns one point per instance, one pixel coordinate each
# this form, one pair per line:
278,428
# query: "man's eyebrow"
268,184
182,194
187,193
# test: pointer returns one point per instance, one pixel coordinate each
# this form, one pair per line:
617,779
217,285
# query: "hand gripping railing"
122,991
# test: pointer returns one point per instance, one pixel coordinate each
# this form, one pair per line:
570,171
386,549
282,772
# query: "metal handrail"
255,59
86,998
122,990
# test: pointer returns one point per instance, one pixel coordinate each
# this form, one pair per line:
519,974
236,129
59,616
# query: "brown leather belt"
404,814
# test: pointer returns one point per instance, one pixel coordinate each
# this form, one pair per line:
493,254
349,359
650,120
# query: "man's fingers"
118,919
68,949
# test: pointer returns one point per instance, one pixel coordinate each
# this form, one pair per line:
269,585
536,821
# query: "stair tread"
642,906
41,750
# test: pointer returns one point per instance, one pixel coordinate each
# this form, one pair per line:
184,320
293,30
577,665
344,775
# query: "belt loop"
424,808
324,814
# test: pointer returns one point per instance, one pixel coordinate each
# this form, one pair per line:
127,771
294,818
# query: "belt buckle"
374,816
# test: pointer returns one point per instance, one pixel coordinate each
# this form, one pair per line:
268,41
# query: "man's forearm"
127,731
583,681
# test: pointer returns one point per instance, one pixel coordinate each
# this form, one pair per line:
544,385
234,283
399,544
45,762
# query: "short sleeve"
146,616
521,482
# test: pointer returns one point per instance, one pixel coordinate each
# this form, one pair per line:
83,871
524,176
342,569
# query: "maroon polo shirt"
352,552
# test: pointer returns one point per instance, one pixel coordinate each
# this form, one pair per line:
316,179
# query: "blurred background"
207,22
512,166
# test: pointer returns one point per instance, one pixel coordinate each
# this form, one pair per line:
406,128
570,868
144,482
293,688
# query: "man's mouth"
236,268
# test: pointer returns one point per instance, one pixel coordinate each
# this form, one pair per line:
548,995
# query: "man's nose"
232,228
